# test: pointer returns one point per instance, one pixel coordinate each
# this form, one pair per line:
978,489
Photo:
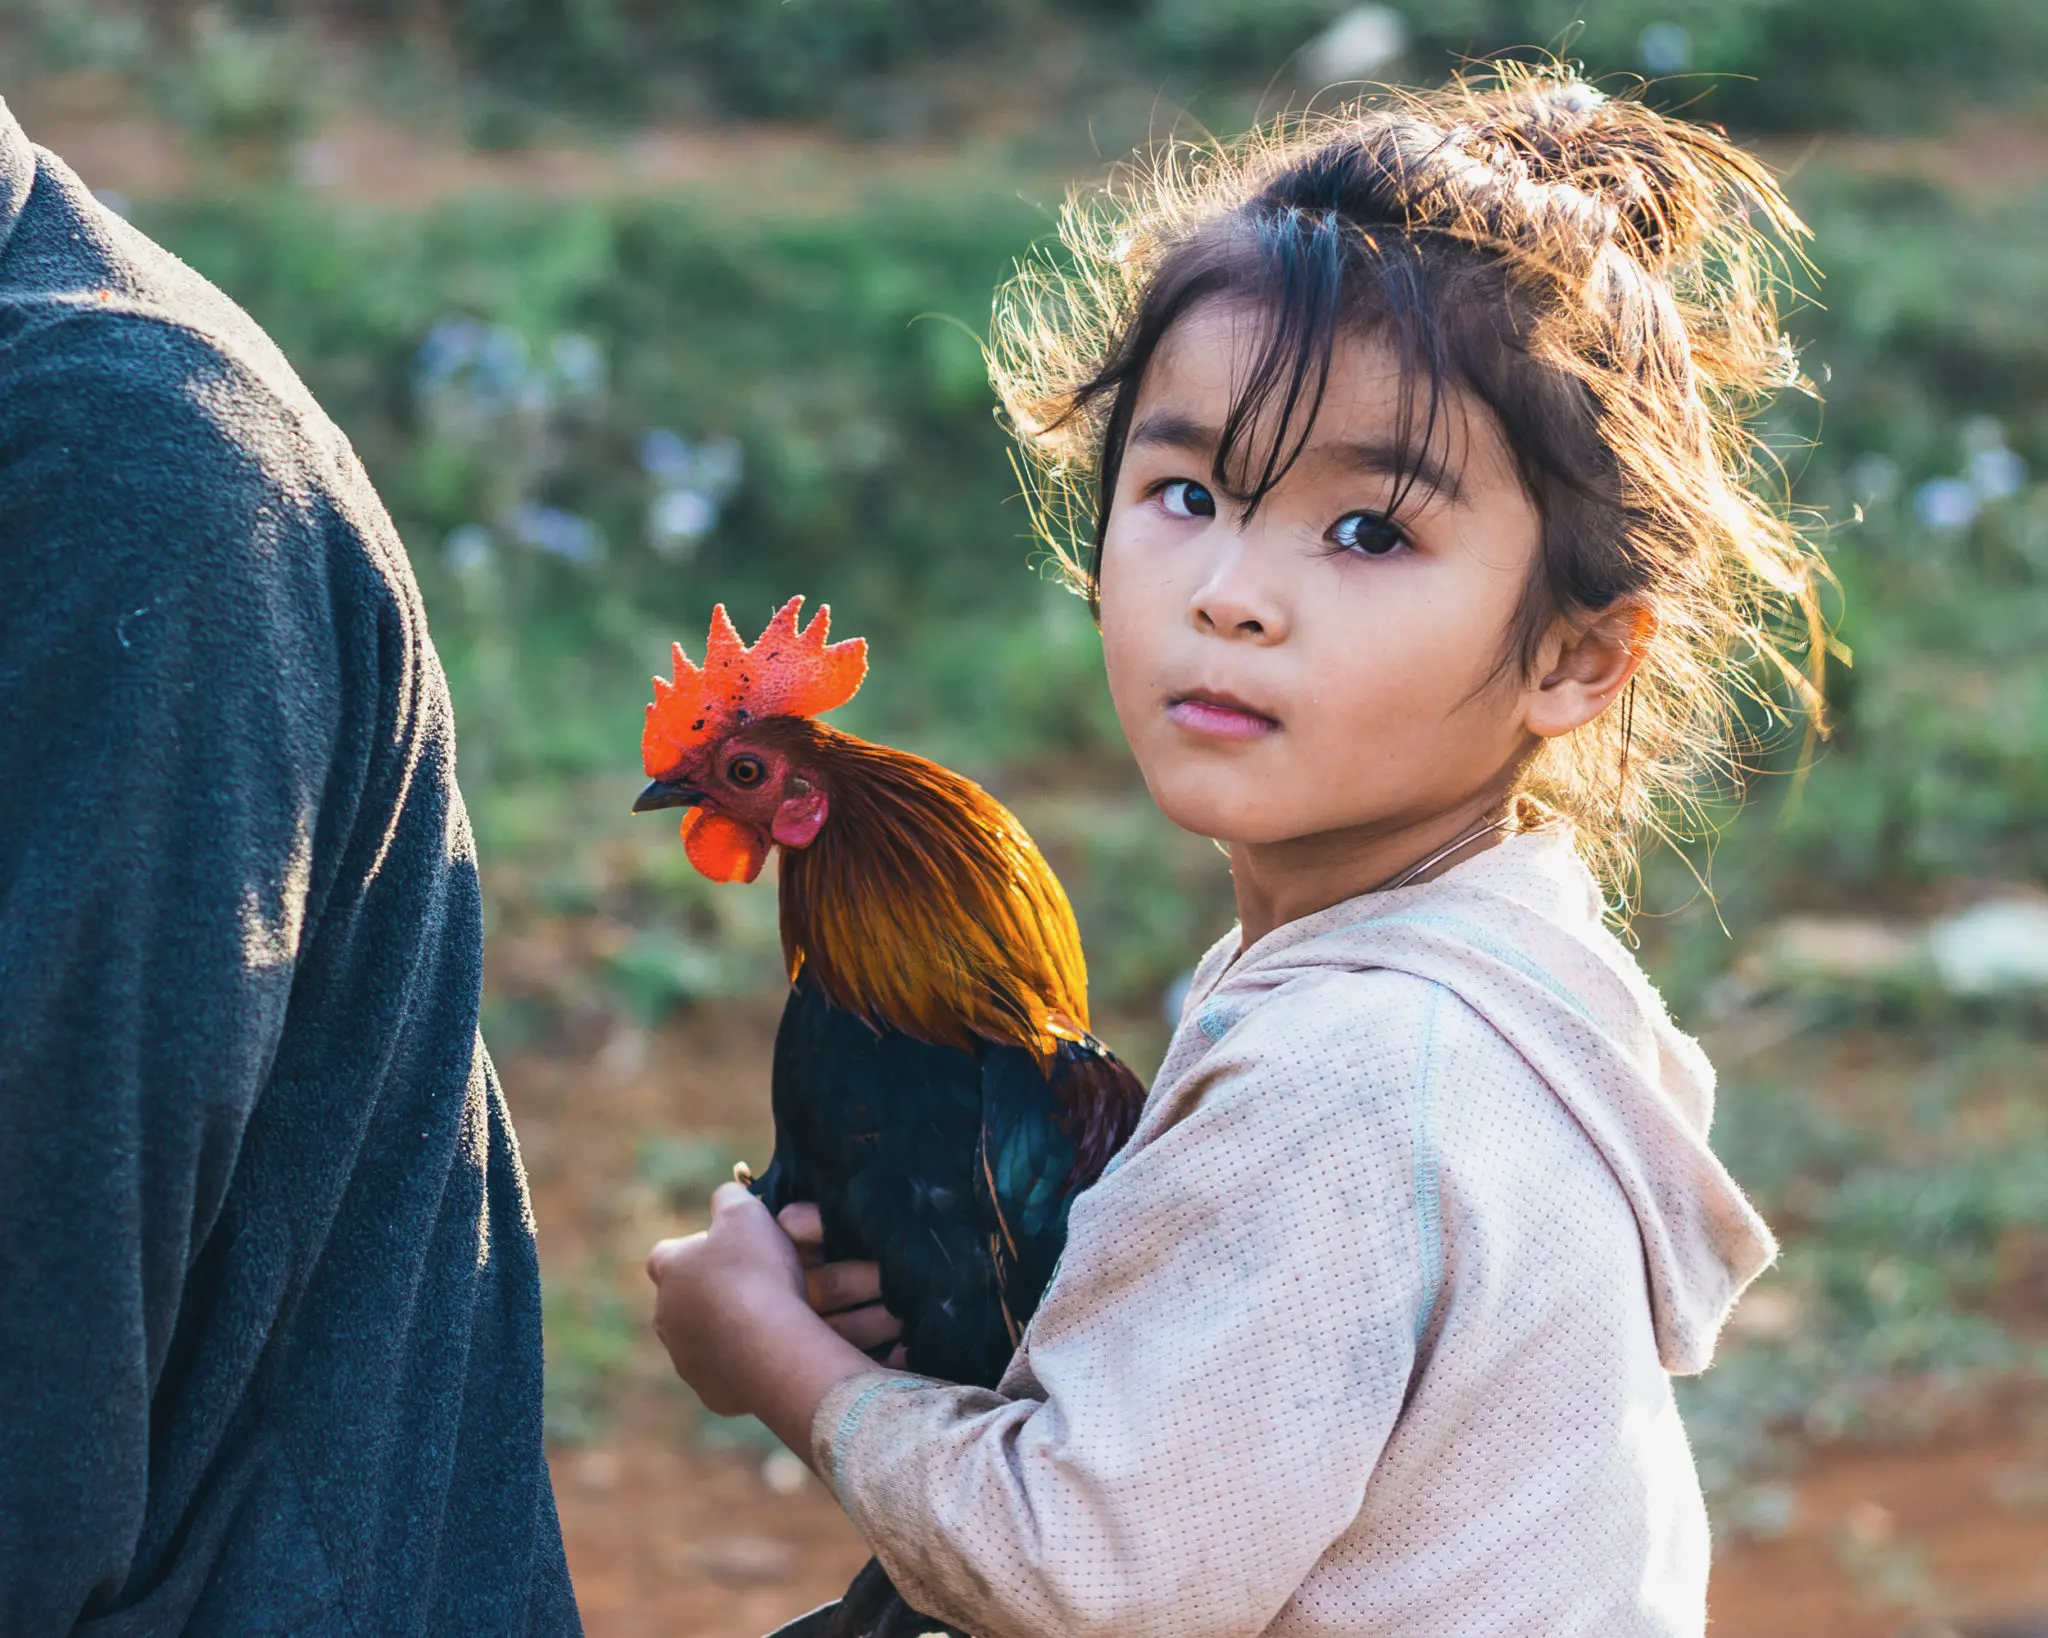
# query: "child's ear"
1589,666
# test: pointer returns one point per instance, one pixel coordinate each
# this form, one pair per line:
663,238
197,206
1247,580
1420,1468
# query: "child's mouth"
1220,716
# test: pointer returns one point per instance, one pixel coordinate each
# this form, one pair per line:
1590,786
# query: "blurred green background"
634,307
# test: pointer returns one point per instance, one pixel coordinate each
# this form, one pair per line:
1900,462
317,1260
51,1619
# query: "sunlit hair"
1602,278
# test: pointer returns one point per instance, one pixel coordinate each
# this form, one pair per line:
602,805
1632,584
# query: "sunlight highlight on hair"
1604,278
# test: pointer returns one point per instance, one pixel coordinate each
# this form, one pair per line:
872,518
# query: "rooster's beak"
664,793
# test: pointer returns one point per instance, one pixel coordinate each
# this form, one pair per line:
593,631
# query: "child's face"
1320,668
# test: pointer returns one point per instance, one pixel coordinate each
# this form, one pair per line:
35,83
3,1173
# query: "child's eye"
1373,533
1184,498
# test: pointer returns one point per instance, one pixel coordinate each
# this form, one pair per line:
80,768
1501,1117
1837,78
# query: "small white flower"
784,1473
1983,432
1946,503
578,361
1873,479
666,457
1997,473
678,519
468,548
720,462
559,534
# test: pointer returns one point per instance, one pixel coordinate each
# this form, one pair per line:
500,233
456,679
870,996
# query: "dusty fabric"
270,1355
1367,1329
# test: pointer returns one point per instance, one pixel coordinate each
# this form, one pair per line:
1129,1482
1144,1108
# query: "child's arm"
1204,1407
1202,1394
1208,1384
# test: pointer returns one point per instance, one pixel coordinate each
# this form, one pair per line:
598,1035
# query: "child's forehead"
1211,348
1375,398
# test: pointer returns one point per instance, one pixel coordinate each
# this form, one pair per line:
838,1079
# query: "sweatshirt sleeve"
168,710
1203,1393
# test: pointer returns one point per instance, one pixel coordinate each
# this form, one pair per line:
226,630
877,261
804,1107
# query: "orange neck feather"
924,906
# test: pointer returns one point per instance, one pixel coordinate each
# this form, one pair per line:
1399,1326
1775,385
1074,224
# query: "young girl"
1412,444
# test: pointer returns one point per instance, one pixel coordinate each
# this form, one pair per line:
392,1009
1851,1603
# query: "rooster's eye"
745,770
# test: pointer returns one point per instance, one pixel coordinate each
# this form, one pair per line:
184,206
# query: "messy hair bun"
1602,277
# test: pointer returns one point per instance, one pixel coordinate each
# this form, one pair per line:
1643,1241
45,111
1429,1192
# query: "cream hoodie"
1367,1328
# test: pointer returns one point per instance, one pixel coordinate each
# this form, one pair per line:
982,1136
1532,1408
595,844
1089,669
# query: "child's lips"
1220,716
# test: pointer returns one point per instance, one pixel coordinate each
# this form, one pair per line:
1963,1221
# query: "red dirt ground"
663,1541
98,129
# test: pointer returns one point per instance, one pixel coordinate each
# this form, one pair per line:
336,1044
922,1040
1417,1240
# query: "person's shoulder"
155,442
1320,1079
1333,1005
107,378
1356,1038
157,494
83,290
98,322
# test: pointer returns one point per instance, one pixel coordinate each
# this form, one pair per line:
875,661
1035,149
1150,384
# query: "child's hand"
731,1308
739,1274
846,1295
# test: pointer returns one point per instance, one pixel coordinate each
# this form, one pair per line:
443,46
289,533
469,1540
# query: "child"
1412,444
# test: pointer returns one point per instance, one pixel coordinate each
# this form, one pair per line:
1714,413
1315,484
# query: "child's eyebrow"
1425,469
1164,429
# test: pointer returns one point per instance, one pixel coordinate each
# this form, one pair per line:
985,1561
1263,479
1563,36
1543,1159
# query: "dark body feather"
952,1169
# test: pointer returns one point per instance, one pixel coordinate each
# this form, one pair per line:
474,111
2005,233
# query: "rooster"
936,1090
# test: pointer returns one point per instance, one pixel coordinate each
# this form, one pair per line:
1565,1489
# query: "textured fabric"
1367,1328
269,1305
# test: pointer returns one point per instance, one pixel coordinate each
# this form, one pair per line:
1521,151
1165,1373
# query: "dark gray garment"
270,1353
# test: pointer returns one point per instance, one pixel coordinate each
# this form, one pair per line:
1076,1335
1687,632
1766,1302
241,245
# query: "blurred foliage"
685,1168
907,67
536,387
589,1331
1765,64
661,970
1926,484
1937,428
1907,1173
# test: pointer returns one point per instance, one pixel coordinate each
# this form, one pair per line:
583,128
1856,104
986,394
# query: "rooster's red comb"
789,672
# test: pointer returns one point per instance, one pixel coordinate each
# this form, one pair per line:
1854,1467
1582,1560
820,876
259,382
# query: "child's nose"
1235,600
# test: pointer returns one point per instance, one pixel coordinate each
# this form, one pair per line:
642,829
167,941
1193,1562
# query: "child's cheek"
1123,667
1123,647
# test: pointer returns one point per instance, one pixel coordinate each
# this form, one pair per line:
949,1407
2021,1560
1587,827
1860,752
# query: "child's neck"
1279,882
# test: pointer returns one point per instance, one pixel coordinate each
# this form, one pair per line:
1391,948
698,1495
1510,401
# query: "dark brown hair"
1601,277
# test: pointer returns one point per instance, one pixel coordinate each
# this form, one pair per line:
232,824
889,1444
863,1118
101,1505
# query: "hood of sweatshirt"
1517,934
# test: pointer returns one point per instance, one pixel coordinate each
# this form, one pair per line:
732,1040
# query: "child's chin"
1223,815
